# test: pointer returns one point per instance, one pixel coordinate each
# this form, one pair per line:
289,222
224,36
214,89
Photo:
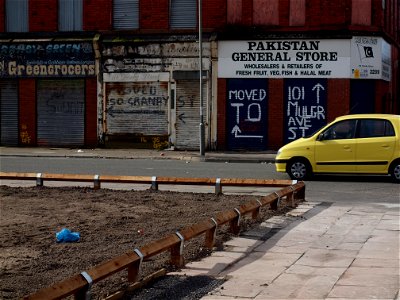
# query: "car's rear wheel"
298,169
395,171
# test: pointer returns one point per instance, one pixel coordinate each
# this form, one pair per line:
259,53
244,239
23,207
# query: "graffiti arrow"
181,117
318,87
237,130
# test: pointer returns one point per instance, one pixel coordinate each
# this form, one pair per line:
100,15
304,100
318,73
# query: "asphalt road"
339,189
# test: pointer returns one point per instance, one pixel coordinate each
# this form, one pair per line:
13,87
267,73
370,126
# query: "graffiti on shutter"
188,114
61,112
305,107
137,114
247,114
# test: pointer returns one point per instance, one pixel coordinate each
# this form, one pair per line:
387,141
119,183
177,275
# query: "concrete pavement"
316,251
265,156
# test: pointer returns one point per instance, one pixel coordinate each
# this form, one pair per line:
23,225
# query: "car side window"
371,128
341,130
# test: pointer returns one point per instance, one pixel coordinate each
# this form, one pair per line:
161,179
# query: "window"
70,15
341,130
17,16
375,128
126,14
183,14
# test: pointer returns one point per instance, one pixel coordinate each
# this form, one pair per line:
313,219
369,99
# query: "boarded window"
183,14
266,12
126,14
17,16
70,15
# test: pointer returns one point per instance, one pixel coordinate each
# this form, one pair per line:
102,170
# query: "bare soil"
110,223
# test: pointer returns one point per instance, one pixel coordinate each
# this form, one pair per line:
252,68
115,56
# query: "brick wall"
97,15
154,14
27,112
2,15
275,113
43,15
90,112
214,14
338,98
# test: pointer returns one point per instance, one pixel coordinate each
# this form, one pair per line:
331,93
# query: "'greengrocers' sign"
325,58
73,59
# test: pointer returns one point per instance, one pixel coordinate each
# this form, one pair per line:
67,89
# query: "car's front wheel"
298,169
395,171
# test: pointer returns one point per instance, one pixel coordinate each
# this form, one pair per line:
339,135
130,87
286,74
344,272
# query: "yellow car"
362,144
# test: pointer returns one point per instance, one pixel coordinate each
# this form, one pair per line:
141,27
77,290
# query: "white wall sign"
370,58
284,59
359,57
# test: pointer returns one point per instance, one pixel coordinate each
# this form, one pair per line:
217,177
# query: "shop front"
151,94
48,91
277,91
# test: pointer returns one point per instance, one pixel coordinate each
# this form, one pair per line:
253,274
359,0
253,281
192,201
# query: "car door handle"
385,146
346,147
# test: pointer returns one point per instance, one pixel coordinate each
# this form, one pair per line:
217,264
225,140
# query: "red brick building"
126,73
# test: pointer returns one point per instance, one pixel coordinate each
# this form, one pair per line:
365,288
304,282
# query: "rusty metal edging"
78,285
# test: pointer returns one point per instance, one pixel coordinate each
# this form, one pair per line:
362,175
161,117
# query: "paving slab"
362,292
327,258
299,286
370,277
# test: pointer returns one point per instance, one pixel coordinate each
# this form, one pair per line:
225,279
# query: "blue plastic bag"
66,236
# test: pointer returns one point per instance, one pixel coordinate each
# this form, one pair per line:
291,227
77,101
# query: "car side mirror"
320,137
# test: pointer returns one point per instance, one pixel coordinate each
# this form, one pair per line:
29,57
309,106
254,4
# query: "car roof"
369,116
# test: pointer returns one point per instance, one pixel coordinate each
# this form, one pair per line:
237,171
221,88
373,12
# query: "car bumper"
280,165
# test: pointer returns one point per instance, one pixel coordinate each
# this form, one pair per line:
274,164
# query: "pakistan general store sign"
360,57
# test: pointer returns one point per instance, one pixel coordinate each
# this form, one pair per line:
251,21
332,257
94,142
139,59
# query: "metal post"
202,134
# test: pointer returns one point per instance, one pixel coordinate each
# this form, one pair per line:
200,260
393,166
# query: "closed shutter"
126,14
9,113
188,114
17,16
183,14
137,108
70,15
61,112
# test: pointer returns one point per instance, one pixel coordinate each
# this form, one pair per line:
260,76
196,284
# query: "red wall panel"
2,15
154,14
43,15
338,98
214,14
97,15
275,113
27,112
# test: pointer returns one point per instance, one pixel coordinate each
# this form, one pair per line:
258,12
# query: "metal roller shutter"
61,112
183,14
137,108
9,113
126,14
188,114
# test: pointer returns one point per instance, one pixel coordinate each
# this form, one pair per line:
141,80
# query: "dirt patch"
110,223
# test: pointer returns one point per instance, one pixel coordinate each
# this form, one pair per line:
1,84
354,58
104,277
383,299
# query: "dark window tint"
375,128
341,130
16,15
70,15
126,14
183,14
